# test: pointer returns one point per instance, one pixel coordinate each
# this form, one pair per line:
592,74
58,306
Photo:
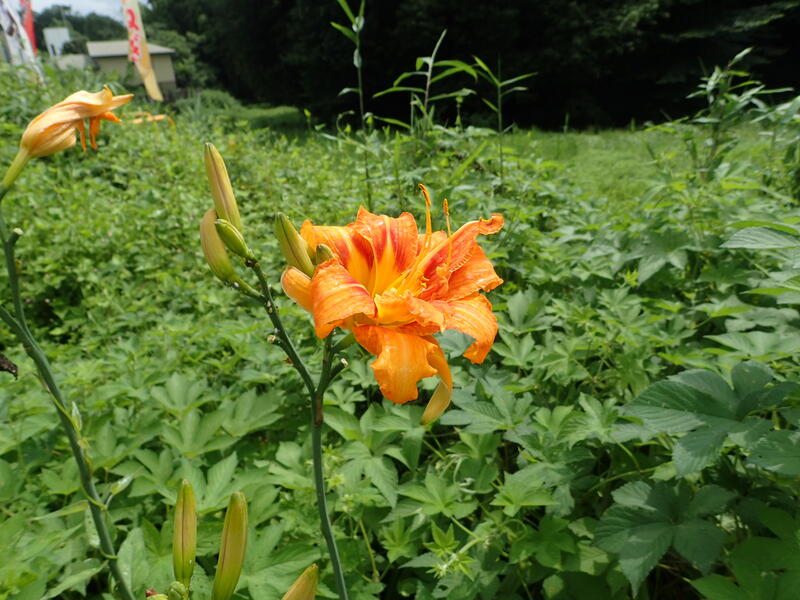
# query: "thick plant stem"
317,394
19,325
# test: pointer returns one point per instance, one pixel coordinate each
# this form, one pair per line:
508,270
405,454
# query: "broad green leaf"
699,541
75,578
762,238
717,587
697,449
778,451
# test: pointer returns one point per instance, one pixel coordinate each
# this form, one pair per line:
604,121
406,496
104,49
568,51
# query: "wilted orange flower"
394,288
54,129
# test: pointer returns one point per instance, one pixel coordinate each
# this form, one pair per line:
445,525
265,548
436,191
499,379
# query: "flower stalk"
50,132
317,394
18,324
220,231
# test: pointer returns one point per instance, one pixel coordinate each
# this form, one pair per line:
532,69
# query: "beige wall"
162,65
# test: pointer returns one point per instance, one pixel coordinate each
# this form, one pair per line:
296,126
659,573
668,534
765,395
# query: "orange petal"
472,315
453,253
476,274
403,360
94,129
440,399
82,130
394,245
351,248
403,309
297,286
336,296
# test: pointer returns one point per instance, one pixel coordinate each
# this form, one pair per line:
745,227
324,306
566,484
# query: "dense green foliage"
635,426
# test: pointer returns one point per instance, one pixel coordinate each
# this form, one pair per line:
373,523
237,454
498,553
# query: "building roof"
120,48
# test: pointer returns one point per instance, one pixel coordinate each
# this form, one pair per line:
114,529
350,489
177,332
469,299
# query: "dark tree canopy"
598,62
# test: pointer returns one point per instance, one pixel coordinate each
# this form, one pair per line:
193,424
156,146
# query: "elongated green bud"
295,249
305,587
233,239
184,536
232,547
214,250
323,253
221,189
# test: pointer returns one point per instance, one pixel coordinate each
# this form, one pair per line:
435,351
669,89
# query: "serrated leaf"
699,541
762,238
778,451
697,449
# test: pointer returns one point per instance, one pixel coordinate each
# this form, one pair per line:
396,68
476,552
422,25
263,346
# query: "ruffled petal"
403,360
403,309
351,248
451,254
472,315
440,399
394,245
297,286
336,296
476,274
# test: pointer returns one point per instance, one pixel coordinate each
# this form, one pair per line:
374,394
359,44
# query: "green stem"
317,393
19,325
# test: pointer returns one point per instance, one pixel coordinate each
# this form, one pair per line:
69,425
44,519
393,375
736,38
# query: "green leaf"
383,475
762,238
778,451
709,500
697,449
346,31
750,376
699,541
519,490
76,578
672,407
638,538
759,344
133,562
717,587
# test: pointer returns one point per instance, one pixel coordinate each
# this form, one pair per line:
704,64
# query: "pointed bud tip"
295,249
305,586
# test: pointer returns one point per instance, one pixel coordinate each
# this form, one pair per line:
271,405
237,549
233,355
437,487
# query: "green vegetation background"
634,428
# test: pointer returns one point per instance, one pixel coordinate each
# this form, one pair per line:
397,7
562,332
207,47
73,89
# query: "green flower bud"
323,253
233,239
295,249
305,587
184,536
221,189
232,547
214,250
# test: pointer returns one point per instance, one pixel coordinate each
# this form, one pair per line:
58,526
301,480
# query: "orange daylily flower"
54,129
394,288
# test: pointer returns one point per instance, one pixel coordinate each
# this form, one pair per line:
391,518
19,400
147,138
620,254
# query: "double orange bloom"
394,288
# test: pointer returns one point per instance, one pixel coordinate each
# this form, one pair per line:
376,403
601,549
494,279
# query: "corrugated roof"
120,48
